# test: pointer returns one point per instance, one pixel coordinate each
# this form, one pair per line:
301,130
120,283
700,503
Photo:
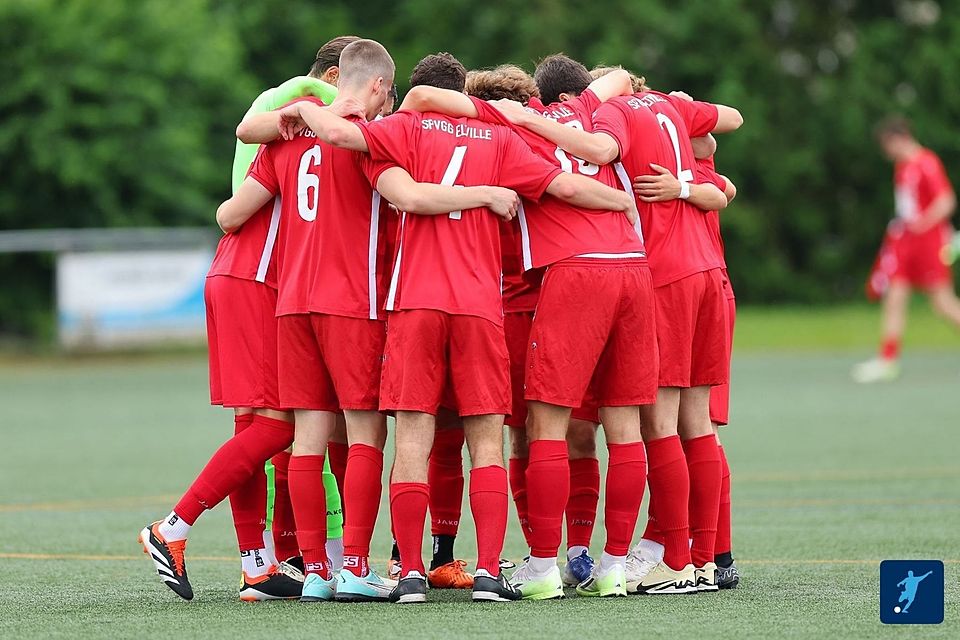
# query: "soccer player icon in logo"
909,584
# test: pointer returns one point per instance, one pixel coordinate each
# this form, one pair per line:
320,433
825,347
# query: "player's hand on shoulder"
348,107
291,121
510,109
503,202
658,187
682,95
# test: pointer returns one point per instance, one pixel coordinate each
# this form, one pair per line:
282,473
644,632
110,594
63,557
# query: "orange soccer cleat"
450,576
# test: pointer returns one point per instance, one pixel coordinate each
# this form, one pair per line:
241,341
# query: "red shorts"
720,394
242,342
426,348
691,331
594,331
918,259
329,363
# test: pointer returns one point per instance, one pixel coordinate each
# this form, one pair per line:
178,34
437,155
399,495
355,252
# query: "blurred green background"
122,113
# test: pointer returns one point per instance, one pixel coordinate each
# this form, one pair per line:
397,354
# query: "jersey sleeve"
393,139
372,169
586,102
524,171
611,120
488,113
263,171
707,175
700,117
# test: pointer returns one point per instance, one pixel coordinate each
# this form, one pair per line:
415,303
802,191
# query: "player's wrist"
684,190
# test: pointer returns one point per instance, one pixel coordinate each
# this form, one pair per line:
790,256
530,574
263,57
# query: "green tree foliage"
122,113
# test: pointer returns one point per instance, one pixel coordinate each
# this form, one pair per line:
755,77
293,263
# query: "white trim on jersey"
613,256
270,241
372,252
628,187
524,239
395,276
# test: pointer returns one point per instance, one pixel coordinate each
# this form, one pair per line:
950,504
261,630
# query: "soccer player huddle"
539,252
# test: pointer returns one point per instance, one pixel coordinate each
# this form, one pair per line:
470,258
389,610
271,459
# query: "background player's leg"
445,477
945,303
519,458
893,323
409,493
488,488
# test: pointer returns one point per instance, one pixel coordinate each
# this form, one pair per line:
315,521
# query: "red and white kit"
332,252
651,127
444,294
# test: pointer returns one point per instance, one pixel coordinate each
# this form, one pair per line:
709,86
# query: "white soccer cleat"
876,370
640,562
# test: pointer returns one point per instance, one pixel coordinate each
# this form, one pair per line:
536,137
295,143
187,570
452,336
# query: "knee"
582,440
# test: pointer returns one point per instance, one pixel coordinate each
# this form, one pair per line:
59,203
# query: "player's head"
440,70
326,66
506,81
637,83
896,138
704,146
390,102
559,78
366,71
909,574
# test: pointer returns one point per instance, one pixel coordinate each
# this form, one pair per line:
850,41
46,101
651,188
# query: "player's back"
650,130
249,252
554,230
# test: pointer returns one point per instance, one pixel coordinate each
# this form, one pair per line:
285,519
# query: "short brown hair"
638,83
440,70
505,81
895,125
329,55
558,74
364,60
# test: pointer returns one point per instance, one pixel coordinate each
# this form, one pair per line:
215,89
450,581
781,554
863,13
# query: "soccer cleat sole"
359,597
252,595
730,584
489,596
412,598
553,595
312,599
161,567
657,590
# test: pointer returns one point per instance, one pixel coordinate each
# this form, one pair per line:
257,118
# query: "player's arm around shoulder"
446,101
598,148
236,210
423,198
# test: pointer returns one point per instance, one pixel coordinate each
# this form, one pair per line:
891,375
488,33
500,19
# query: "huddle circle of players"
538,252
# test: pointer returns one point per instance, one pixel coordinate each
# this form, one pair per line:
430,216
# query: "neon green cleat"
532,587
611,584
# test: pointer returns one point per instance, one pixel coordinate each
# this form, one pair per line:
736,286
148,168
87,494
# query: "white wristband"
684,190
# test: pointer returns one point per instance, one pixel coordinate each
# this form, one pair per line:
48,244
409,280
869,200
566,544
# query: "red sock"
703,463
363,486
445,478
284,526
626,479
233,464
670,486
248,502
724,544
651,532
581,509
310,508
338,452
518,486
408,509
488,503
548,487
890,348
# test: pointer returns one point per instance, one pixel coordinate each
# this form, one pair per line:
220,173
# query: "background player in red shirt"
437,285
917,241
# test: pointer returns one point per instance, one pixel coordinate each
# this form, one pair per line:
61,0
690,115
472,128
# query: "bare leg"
945,303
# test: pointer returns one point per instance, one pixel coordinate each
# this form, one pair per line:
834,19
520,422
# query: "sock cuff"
584,465
360,450
399,488
281,460
664,451
241,421
626,453
548,449
306,463
701,448
492,479
273,423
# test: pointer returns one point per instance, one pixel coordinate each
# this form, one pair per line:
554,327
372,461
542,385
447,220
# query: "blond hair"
365,60
639,83
504,81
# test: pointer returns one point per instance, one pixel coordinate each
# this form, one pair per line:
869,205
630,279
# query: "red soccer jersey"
452,263
248,253
651,127
332,238
553,230
706,174
917,183
519,295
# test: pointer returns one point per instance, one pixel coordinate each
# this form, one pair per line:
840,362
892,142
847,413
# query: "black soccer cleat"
487,588
411,589
167,559
728,577
273,585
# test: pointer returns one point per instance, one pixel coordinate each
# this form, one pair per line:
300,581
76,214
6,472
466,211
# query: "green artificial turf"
829,478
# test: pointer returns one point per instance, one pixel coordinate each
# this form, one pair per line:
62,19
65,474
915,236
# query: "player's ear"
563,97
332,76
